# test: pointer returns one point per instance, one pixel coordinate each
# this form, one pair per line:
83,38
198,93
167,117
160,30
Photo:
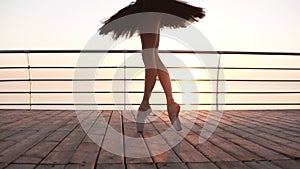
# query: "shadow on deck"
55,139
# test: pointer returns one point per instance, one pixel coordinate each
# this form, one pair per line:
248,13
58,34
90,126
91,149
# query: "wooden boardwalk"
56,139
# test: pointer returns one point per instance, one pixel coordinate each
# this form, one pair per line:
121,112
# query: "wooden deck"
55,139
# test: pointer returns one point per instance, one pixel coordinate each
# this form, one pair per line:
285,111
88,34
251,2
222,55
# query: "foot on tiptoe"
173,112
143,112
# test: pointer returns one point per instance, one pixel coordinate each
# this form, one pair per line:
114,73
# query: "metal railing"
30,80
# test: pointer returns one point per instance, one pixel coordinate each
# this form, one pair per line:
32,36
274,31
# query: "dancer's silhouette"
150,16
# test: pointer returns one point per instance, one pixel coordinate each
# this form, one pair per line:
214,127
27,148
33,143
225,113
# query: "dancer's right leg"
150,80
149,46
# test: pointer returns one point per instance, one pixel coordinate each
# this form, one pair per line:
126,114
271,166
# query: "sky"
237,25
252,25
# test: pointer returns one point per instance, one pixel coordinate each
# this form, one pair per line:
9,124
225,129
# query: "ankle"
145,102
144,107
170,101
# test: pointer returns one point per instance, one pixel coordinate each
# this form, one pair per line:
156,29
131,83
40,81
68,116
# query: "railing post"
29,80
125,73
218,81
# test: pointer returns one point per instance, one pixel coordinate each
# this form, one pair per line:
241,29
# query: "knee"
160,66
149,58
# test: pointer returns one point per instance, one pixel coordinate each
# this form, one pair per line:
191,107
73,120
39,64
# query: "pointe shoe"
140,119
173,112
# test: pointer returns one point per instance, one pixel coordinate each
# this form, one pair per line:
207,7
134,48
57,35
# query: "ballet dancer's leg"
148,54
155,67
150,80
164,79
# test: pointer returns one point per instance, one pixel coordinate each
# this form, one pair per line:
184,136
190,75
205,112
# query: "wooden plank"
58,157
56,136
106,157
273,146
136,150
2,165
78,166
110,166
72,141
281,118
6,133
70,125
141,166
211,151
21,135
15,119
202,166
20,166
50,166
37,153
172,166
155,148
5,144
278,133
261,141
94,138
269,130
186,151
258,122
86,154
99,126
267,143
234,150
232,165
66,148
20,125
97,131
31,127
261,164
253,147
110,141
88,119
11,153
287,164
28,119
189,154
269,135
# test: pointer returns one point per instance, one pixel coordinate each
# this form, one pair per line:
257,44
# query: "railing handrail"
160,51
139,67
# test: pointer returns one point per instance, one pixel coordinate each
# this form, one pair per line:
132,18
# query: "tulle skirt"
146,16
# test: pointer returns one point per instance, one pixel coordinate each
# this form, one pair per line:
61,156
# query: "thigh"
149,40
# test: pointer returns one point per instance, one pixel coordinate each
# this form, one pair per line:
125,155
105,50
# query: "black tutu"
130,20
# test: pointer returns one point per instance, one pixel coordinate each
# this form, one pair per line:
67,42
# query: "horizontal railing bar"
185,80
137,104
139,92
160,51
139,67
